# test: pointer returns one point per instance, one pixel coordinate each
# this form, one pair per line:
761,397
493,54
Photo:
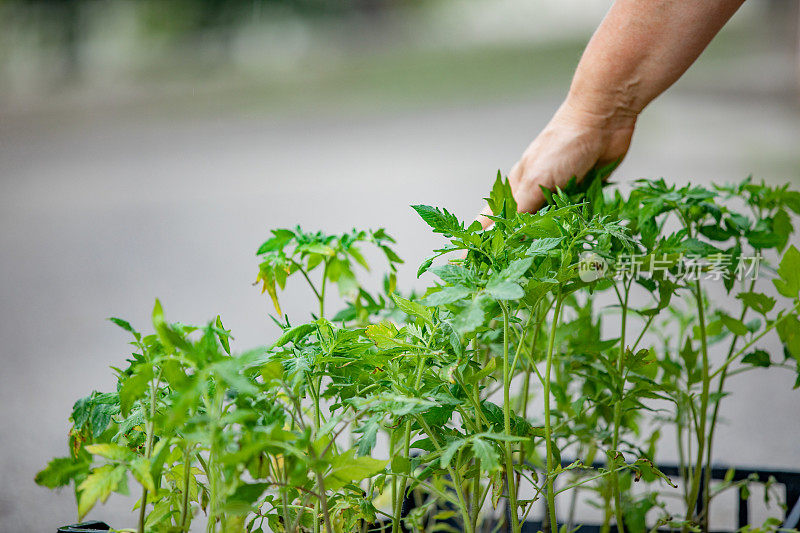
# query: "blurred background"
147,147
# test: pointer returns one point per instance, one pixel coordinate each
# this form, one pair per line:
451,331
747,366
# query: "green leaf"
715,232
161,511
60,471
294,334
424,266
383,335
694,246
501,199
472,316
140,468
544,245
124,324
449,452
281,237
497,488
486,452
413,309
486,371
734,325
222,335
760,303
764,239
782,226
441,221
168,337
504,290
757,358
346,468
446,296
516,269
98,486
111,451
316,248
789,271
369,435
134,387
242,499
455,275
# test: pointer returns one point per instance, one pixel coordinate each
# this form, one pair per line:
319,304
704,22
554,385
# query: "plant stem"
713,423
456,477
148,450
548,430
187,470
704,395
323,500
321,295
510,478
476,496
618,411
400,496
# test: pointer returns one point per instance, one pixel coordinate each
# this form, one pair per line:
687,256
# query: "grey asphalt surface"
102,211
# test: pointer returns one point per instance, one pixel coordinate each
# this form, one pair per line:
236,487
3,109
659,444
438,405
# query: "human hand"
576,140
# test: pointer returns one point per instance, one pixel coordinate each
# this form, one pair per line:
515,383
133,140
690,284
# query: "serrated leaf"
140,468
60,471
449,452
294,334
472,316
369,435
500,289
544,245
424,266
789,271
757,358
486,452
383,335
346,468
516,269
413,309
440,220
111,451
761,303
446,296
98,486
497,488
134,387
734,325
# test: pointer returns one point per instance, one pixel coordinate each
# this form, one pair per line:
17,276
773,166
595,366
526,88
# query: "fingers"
485,222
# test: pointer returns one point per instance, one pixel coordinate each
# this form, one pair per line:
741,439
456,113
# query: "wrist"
598,111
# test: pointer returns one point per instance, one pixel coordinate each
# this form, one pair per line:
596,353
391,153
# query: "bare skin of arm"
639,50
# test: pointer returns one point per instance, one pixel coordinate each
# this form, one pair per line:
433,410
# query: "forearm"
640,49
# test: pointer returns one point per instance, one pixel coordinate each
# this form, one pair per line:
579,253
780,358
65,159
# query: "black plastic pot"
85,527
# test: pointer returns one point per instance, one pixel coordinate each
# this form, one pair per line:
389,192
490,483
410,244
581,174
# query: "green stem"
323,500
187,470
618,411
308,280
510,478
321,295
476,496
548,430
401,494
704,395
456,477
712,426
149,435
215,409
